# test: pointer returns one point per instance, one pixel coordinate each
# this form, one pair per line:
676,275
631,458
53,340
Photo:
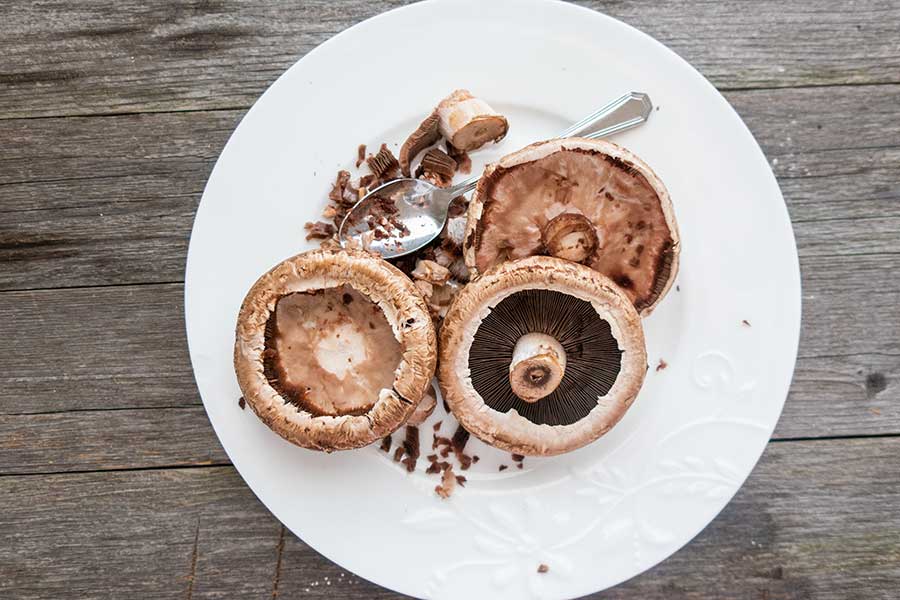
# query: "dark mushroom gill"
593,357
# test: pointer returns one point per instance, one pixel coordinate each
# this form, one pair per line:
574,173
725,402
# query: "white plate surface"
597,516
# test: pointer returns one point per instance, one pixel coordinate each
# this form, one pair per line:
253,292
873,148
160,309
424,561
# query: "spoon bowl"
379,219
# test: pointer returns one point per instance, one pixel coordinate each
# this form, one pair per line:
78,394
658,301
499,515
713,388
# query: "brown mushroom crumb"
465,461
463,162
518,457
383,208
662,365
431,271
426,134
360,155
447,485
746,323
520,465
542,568
425,288
386,444
437,167
398,453
242,403
398,226
502,468
461,480
338,193
457,207
329,212
384,163
411,446
441,441
366,180
460,439
433,468
319,230
475,459
437,426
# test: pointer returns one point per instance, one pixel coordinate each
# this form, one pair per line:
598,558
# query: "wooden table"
112,481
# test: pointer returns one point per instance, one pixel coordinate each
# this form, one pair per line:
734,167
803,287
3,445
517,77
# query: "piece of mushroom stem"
537,367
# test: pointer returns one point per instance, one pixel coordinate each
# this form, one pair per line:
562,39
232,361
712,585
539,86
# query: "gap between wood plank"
118,470
193,573
138,113
211,465
247,107
279,552
181,282
809,86
84,178
87,287
826,438
102,410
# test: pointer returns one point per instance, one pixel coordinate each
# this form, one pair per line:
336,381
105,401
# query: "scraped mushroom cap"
546,198
334,349
593,320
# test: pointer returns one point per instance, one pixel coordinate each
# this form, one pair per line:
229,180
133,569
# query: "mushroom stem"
537,367
468,123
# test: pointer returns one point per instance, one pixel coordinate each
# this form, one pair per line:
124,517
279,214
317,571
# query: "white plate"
598,516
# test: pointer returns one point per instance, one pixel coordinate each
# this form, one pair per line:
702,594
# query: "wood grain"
122,212
108,439
76,58
76,370
112,480
187,533
815,520
94,349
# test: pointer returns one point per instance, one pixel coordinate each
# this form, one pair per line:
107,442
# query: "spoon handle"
623,113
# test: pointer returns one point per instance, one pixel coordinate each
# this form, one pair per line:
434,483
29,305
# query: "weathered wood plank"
843,395
64,58
144,534
103,200
847,380
108,439
803,120
121,212
119,347
842,320
815,520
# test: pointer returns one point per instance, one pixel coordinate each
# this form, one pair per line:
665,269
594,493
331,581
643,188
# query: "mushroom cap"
510,430
614,189
405,312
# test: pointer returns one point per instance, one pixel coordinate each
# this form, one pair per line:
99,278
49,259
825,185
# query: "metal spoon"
422,207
